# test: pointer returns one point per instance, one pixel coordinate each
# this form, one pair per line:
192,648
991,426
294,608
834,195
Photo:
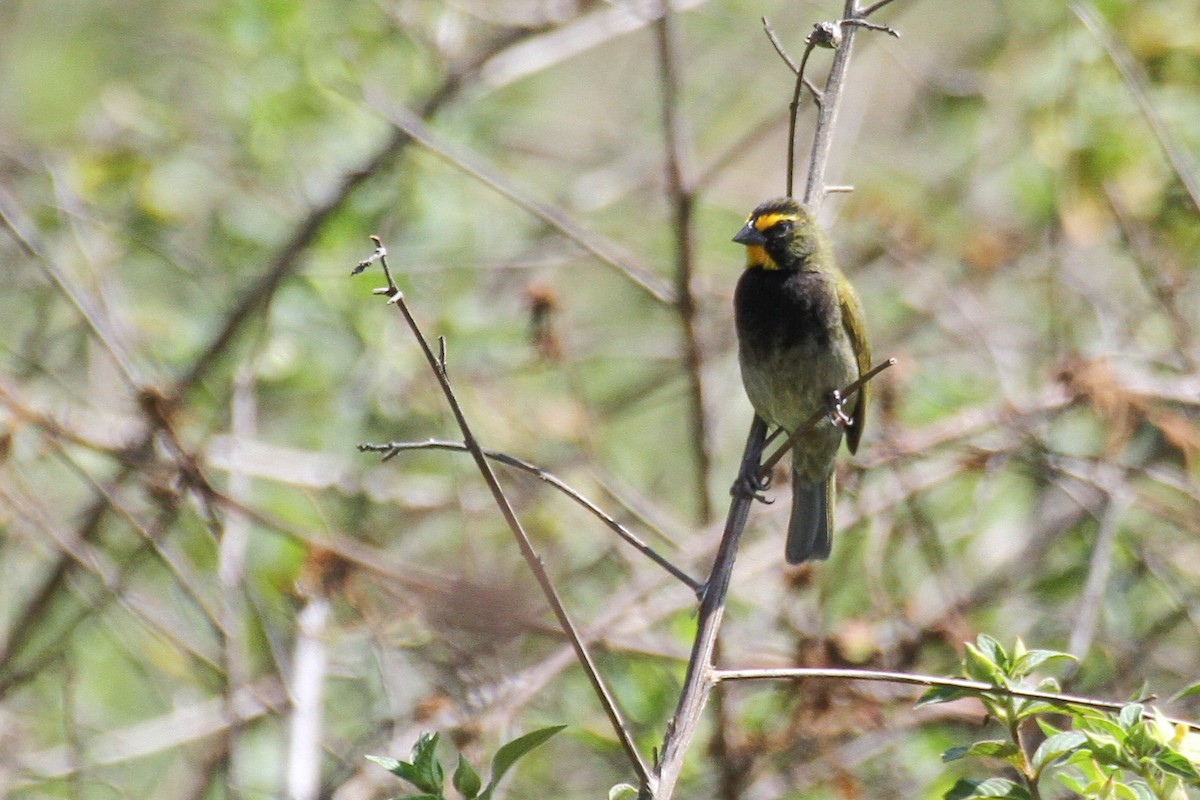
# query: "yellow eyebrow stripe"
767,221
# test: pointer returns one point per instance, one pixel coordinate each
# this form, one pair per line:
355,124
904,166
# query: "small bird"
801,337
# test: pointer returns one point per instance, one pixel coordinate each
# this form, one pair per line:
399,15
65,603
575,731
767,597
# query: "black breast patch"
780,309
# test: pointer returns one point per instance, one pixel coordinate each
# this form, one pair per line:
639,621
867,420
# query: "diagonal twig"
1135,81
390,449
438,366
411,125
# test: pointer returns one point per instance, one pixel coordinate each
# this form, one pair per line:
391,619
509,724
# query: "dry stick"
1135,81
412,125
698,681
438,365
390,449
884,676
682,199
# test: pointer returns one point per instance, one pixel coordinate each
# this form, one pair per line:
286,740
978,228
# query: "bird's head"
781,234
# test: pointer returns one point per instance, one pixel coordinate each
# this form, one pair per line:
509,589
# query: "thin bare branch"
390,449
412,126
1135,80
789,673
682,200
871,9
534,561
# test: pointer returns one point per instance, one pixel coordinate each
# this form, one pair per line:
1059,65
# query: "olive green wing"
855,324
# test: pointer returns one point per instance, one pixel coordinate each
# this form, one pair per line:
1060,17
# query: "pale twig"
532,559
827,112
1087,618
682,200
183,725
1135,81
310,657
390,449
412,125
791,673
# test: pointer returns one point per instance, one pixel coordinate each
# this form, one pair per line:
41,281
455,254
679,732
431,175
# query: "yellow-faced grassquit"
801,338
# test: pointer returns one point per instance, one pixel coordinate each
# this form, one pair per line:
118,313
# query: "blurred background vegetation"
188,366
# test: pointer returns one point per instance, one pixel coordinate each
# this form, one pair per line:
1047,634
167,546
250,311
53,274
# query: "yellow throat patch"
756,256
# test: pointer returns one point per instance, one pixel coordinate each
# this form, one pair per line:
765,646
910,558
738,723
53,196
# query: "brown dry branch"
682,198
437,363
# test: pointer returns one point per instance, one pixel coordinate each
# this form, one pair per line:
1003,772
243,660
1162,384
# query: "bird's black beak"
750,235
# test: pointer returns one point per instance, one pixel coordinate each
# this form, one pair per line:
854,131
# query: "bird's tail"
810,529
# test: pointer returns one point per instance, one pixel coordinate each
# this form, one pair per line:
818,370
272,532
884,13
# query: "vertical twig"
699,680
309,660
827,111
1088,615
682,200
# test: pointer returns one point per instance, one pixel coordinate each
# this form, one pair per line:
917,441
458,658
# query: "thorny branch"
391,449
438,366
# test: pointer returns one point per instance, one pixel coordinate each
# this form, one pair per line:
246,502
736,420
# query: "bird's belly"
788,387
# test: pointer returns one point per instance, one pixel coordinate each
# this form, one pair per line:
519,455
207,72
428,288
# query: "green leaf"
979,664
1175,763
508,755
390,764
1056,746
954,754
992,649
425,772
944,694
1137,791
995,748
623,791
1187,691
1048,730
1071,783
466,779
1031,708
428,773
401,769
1131,715
1104,748
968,789
1032,660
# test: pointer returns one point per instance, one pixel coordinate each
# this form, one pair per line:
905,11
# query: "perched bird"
801,338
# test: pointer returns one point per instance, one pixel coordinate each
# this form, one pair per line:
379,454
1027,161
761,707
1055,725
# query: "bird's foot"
750,484
837,414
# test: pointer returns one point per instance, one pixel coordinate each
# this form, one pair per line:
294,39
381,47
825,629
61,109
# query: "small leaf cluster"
1133,754
426,773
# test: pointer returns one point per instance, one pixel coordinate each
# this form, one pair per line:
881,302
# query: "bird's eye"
783,227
